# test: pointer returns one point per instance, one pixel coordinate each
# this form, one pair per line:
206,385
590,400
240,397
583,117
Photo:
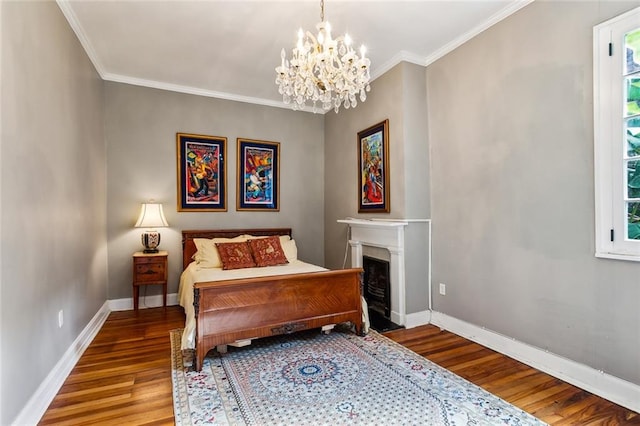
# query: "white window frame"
609,138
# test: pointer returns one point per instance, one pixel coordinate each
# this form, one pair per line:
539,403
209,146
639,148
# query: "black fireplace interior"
377,293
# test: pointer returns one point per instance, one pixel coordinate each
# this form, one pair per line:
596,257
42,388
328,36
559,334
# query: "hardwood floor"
124,376
544,396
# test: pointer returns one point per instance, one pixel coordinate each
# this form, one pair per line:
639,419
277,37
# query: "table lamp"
151,216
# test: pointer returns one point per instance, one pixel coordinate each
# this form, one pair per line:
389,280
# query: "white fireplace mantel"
389,235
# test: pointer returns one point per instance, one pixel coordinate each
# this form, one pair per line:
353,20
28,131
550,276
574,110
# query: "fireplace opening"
377,293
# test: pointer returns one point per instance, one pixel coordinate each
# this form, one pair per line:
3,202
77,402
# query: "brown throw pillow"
267,251
235,255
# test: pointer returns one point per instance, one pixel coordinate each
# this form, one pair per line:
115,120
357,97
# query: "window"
617,136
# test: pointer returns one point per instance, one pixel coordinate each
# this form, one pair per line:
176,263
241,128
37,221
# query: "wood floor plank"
539,402
467,361
124,377
494,371
549,399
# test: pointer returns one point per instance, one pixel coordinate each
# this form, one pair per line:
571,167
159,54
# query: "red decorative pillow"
267,251
235,255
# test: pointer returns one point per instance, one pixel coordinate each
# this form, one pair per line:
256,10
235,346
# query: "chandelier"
323,70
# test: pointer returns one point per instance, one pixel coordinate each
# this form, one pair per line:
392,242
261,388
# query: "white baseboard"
155,301
396,318
597,382
35,408
417,318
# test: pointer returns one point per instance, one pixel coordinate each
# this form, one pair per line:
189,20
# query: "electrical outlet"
60,318
443,289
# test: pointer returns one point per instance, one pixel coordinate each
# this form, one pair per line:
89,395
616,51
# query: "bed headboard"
189,247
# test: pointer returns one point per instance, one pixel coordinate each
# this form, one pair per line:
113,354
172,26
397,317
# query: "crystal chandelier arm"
323,69
312,39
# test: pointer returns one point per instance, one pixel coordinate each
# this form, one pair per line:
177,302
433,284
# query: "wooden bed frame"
238,310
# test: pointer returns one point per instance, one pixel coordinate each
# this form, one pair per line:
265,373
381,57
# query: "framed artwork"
202,178
258,175
373,169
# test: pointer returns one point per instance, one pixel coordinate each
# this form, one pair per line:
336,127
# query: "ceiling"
229,49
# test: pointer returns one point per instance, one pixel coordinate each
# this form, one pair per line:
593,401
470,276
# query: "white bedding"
194,273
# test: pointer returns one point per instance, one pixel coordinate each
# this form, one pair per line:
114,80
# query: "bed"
235,306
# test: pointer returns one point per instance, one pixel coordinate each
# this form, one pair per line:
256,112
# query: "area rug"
310,378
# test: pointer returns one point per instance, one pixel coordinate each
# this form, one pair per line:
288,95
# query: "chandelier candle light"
323,69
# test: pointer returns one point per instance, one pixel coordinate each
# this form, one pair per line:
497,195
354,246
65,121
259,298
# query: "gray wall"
508,181
400,96
511,136
417,186
341,157
507,176
140,128
53,184
416,169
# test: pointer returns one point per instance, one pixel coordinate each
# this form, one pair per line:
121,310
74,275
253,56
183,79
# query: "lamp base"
150,241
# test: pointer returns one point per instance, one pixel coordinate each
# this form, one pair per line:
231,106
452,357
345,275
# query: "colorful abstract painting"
201,173
258,175
373,166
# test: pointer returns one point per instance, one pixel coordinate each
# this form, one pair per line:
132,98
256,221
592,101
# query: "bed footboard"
233,310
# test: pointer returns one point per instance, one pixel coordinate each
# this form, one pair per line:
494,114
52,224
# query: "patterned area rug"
310,378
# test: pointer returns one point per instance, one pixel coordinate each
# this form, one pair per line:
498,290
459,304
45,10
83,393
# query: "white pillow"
283,238
289,248
207,255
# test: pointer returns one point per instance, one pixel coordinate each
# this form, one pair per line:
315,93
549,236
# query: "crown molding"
504,13
195,91
402,56
73,21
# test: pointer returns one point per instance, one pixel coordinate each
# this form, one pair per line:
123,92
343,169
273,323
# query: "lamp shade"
151,216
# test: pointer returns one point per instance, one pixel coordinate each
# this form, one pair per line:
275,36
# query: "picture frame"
258,175
373,169
202,175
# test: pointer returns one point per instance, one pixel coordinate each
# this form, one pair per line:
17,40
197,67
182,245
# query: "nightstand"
149,269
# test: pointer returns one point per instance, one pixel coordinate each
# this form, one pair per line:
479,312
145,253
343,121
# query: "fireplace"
376,290
387,236
377,285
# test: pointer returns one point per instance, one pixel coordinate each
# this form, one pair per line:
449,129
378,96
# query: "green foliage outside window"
632,69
